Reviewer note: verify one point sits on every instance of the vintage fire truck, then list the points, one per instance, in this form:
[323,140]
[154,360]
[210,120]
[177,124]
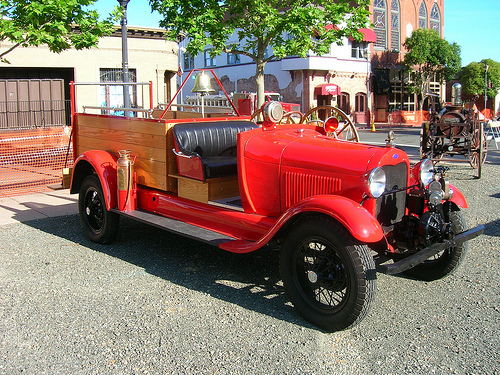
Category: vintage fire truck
[330,204]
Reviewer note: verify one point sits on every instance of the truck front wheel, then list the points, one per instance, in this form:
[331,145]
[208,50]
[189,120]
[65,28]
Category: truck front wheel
[100,225]
[447,261]
[328,276]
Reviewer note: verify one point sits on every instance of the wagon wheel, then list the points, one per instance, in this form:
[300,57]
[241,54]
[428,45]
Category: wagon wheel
[346,129]
[430,145]
[479,149]
[425,141]
[292,117]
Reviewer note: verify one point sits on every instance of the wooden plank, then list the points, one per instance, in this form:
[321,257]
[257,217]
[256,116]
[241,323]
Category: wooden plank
[127,137]
[204,191]
[141,151]
[223,189]
[149,173]
[150,166]
[137,125]
[183,115]
[193,189]
[171,158]
[153,180]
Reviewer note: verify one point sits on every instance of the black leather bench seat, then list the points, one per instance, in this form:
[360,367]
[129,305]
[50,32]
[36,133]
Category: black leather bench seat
[219,166]
[213,144]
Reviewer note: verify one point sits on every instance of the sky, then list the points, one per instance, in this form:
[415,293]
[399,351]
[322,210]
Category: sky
[473,24]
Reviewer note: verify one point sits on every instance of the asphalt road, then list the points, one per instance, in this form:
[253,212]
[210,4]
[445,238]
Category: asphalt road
[155,303]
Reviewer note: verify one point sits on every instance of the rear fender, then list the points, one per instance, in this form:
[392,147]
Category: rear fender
[102,163]
[355,218]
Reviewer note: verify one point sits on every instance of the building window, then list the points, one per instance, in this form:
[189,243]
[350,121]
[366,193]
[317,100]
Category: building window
[422,16]
[112,96]
[209,60]
[233,58]
[380,23]
[436,19]
[395,28]
[188,61]
[344,103]
[360,102]
[358,50]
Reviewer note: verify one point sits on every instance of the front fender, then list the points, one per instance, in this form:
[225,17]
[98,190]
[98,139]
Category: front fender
[103,163]
[355,218]
[458,198]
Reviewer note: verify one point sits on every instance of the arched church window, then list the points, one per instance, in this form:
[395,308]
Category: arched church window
[395,26]
[422,16]
[436,19]
[380,23]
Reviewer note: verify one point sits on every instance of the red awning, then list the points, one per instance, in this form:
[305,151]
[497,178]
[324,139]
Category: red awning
[327,89]
[368,35]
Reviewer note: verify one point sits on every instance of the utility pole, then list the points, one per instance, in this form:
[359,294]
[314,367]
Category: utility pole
[126,96]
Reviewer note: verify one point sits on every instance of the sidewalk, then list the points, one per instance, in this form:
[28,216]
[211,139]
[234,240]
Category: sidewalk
[37,206]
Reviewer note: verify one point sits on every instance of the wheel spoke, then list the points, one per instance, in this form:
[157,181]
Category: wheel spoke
[321,274]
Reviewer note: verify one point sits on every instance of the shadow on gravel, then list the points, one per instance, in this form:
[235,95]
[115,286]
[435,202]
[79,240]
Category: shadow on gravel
[251,281]
[492,228]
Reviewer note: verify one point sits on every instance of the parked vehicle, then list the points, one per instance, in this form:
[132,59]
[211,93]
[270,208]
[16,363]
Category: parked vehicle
[331,204]
[455,130]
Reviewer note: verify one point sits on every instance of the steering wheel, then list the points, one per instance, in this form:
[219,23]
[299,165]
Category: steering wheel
[319,115]
[257,115]
[292,117]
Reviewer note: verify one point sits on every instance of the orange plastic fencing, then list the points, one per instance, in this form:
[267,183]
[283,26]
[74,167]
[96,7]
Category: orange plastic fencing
[31,160]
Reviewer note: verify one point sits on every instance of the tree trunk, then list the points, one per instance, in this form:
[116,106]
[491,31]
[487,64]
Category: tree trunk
[259,80]
[259,73]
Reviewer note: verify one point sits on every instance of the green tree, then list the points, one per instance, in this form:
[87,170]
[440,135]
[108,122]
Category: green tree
[430,58]
[472,77]
[290,28]
[52,23]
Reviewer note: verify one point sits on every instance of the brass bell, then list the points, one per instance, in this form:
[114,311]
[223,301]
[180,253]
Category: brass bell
[202,84]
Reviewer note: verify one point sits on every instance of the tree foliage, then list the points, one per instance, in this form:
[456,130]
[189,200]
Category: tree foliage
[472,77]
[430,58]
[290,28]
[50,22]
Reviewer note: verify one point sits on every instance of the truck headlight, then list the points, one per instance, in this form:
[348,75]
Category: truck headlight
[426,172]
[376,182]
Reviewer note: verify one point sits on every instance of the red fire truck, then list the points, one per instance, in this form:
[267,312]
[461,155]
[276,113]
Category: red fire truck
[246,102]
[328,202]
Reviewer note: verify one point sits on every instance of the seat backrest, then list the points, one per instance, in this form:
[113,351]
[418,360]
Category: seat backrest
[209,138]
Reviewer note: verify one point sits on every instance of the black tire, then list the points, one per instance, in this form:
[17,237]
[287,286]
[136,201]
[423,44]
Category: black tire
[328,276]
[447,261]
[100,225]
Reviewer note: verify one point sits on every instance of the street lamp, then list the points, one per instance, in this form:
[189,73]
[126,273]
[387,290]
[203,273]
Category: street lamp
[368,70]
[126,97]
[486,67]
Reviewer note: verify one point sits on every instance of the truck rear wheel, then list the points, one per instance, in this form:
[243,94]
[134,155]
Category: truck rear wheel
[328,276]
[100,225]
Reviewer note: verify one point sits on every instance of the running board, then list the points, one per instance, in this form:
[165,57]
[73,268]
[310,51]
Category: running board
[178,227]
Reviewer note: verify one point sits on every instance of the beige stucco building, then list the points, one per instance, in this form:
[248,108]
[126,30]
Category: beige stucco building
[151,58]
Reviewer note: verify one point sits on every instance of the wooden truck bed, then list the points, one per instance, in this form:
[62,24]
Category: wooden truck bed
[150,142]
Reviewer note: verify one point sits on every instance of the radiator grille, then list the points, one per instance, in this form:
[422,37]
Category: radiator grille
[391,207]
[301,185]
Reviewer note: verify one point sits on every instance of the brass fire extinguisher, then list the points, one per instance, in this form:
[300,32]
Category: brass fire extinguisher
[127,192]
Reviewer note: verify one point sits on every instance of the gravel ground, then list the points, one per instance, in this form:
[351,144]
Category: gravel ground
[155,303]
